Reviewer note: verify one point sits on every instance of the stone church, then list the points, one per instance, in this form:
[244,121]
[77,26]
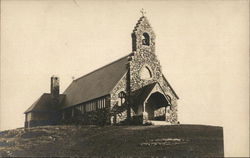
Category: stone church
[131,90]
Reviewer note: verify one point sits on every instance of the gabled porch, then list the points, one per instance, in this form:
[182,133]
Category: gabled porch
[152,103]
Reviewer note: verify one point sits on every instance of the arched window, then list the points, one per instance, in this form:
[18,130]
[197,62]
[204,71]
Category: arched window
[122,98]
[145,39]
[145,73]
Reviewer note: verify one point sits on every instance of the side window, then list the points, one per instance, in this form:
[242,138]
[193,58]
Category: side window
[122,98]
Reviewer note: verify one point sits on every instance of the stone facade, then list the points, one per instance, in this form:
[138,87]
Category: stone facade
[121,86]
[143,56]
[118,113]
[172,118]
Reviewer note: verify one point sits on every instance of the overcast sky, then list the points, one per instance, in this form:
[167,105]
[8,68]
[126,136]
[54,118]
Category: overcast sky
[202,47]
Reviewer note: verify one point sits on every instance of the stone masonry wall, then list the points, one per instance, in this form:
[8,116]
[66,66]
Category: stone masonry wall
[143,56]
[119,113]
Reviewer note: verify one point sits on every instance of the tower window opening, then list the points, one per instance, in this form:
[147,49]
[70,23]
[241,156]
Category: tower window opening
[145,39]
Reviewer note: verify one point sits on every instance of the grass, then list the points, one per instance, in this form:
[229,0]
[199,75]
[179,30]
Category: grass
[177,141]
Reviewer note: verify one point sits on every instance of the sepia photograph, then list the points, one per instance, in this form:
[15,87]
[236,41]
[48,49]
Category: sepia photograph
[124,78]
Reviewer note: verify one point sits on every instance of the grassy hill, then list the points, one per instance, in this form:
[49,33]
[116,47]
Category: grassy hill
[178,140]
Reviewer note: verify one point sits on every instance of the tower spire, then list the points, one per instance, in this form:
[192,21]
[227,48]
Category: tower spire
[143,12]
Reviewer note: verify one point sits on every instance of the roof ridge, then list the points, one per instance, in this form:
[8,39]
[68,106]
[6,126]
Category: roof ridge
[101,67]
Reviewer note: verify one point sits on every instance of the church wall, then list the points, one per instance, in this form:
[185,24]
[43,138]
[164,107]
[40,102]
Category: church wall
[144,56]
[95,111]
[121,86]
[41,116]
[140,60]
[172,117]
[39,119]
[149,59]
[36,116]
[118,110]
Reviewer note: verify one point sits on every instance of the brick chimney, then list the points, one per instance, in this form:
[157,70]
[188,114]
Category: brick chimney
[55,89]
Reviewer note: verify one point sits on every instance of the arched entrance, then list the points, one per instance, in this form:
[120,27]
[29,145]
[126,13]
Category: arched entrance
[156,106]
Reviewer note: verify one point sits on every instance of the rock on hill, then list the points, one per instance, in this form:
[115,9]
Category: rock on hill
[178,140]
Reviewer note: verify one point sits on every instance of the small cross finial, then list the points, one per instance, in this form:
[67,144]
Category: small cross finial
[143,12]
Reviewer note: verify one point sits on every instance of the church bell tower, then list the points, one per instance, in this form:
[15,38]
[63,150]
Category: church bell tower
[143,37]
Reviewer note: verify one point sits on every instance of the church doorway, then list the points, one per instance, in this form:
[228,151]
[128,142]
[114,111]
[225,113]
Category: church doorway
[156,106]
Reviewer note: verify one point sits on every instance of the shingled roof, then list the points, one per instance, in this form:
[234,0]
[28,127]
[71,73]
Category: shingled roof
[95,84]
[43,103]
[139,95]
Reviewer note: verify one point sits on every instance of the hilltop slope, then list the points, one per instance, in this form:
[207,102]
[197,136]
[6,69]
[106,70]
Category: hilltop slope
[179,140]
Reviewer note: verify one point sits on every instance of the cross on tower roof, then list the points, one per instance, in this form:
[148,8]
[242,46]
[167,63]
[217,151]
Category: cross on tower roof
[143,12]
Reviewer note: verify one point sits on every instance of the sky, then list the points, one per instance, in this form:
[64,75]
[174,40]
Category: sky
[202,47]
